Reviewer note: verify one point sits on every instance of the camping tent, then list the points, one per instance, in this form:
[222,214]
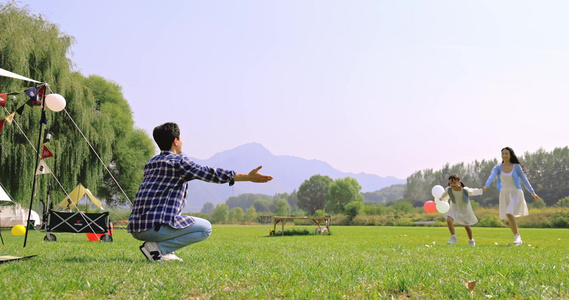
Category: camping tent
[80,193]
[12,213]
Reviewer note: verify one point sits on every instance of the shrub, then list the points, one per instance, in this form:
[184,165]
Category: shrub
[400,206]
[374,209]
[560,219]
[563,202]
[440,223]
[490,221]
[319,213]
[389,220]
[340,219]
[352,209]
[429,217]
[541,204]
[405,221]
[291,232]
[366,220]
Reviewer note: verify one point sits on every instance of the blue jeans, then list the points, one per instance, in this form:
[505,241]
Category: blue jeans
[171,239]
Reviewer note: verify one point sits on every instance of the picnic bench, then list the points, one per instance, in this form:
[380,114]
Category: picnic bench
[317,220]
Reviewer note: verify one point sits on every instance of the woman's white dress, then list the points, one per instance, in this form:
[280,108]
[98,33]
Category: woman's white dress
[460,211]
[512,200]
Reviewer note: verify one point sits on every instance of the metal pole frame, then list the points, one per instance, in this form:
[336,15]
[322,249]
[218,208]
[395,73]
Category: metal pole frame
[36,166]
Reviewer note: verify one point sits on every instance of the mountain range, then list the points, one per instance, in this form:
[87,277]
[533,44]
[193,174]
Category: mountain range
[289,173]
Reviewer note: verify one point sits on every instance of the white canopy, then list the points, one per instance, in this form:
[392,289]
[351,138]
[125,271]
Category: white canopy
[3,195]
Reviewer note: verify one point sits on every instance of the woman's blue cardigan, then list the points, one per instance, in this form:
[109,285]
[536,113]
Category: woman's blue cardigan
[518,174]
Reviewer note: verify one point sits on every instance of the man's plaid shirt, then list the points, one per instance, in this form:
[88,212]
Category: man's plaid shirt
[162,194]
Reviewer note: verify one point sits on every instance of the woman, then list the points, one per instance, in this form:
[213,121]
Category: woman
[512,201]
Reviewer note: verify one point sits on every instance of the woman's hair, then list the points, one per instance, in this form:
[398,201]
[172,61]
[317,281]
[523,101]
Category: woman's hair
[455,177]
[513,158]
[165,134]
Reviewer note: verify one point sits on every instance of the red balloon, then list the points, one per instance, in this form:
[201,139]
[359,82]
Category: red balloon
[430,206]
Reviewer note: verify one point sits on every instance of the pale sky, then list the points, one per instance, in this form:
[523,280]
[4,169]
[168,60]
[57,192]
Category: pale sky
[380,87]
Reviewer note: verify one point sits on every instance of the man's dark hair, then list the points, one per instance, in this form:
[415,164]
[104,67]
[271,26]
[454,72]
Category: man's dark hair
[165,134]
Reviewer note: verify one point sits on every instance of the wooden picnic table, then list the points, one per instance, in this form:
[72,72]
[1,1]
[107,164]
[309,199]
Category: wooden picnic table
[316,220]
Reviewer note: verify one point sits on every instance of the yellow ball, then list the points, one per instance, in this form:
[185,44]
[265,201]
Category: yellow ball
[18,230]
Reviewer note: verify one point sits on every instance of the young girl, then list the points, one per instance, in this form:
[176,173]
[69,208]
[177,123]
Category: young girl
[460,210]
[512,201]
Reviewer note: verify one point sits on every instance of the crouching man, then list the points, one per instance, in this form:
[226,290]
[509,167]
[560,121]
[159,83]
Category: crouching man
[156,216]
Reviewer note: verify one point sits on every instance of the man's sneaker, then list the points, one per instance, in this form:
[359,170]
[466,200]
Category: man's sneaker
[471,243]
[151,251]
[171,256]
[453,240]
[517,240]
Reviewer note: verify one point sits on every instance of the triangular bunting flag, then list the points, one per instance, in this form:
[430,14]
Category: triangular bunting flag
[41,92]
[42,168]
[41,96]
[43,118]
[20,110]
[45,153]
[3,98]
[10,118]
[33,94]
[1,125]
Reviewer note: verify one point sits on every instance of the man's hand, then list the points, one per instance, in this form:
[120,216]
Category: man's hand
[253,176]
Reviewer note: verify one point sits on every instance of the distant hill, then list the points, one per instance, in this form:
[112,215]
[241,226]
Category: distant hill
[289,173]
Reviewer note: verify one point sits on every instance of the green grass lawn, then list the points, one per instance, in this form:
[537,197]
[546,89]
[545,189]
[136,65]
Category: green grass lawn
[244,262]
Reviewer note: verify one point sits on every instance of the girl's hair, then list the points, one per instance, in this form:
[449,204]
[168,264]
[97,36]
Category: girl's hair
[513,158]
[455,177]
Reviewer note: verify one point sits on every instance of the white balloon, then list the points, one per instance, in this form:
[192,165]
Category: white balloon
[55,102]
[442,207]
[438,191]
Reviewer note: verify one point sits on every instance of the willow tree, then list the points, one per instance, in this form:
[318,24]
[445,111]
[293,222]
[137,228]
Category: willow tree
[95,131]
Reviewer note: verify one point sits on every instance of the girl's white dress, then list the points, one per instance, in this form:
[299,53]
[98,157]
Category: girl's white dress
[461,211]
[512,200]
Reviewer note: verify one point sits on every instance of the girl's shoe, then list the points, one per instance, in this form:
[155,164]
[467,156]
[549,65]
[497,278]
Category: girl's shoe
[471,243]
[453,240]
[517,240]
